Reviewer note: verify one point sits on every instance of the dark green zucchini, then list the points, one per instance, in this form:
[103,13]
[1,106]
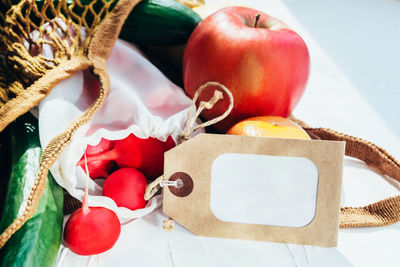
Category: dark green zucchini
[159,22]
[36,243]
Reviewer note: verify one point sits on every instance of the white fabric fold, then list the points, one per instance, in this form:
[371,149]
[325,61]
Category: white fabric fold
[141,101]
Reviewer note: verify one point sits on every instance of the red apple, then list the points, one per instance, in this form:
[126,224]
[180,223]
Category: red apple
[257,57]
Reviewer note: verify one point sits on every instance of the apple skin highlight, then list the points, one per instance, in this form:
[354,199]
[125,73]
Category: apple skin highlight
[265,67]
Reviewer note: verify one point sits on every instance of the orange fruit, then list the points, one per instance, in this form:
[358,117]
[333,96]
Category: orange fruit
[271,126]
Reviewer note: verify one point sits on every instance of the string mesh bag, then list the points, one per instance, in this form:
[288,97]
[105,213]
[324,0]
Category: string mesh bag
[43,43]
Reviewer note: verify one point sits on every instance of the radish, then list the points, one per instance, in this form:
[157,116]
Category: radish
[91,230]
[98,168]
[126,187]
[146,155]
[103,146]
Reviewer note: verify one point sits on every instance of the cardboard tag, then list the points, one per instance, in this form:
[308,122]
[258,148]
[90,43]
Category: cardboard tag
[259,188]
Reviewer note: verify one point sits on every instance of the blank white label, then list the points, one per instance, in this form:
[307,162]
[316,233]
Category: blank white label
[262,189]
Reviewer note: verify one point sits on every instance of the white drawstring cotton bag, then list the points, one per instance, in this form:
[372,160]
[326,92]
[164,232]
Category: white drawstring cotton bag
[142,101]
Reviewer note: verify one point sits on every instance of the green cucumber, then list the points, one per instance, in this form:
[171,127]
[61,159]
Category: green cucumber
[159,22]
[37,242]
[5,166]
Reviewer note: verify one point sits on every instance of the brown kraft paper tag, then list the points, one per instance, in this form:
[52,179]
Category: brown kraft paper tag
[196,163]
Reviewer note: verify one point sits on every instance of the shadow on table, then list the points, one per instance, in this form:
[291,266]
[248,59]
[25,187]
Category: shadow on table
[362,38]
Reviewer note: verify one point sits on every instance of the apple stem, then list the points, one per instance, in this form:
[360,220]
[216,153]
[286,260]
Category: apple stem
[257,19]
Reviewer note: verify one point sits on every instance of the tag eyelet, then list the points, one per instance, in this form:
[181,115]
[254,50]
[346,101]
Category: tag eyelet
[185,183]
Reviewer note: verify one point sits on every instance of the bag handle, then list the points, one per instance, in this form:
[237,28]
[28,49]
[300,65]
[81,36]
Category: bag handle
[381,213]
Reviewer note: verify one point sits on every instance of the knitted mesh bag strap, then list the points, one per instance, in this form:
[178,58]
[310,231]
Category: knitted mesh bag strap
[381,213]
[77,42]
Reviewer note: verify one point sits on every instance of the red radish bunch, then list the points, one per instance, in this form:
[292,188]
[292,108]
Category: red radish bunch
[146,155]
[91,230]
[126,187]
[94,230]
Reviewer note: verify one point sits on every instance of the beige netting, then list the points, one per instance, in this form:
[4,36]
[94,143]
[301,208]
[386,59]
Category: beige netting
[38,36]
[45,42]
